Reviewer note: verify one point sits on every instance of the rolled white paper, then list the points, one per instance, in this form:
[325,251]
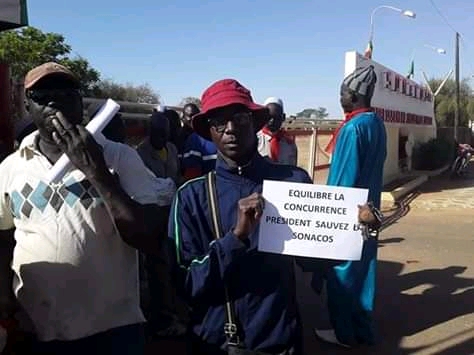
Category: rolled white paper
[95,126]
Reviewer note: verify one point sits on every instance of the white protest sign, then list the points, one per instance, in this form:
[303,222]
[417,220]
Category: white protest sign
[308,220]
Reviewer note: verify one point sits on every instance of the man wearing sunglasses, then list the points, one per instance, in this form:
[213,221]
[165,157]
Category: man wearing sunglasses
[261,286]
[74,263]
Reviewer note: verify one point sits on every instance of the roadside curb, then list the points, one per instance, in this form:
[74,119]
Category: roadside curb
[419,178]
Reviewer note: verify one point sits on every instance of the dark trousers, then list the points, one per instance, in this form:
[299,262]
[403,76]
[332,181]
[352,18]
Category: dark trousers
[196,346]
[162,306]
[127,340]
[160,301]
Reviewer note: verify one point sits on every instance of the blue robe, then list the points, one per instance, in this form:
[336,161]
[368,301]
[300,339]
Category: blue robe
[357,161]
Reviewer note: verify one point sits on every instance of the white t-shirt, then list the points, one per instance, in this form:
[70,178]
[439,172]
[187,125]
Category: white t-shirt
[74,276]
[288,151]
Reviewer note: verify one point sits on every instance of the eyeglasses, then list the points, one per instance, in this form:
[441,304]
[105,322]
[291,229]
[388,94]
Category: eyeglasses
[44,96]
[240,119]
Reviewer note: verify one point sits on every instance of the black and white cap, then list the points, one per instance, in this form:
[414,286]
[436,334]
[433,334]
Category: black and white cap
[362,81]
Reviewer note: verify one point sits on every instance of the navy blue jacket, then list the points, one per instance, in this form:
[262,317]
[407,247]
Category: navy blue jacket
[262,285]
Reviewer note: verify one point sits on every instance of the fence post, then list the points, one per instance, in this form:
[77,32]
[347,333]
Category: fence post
[312,152]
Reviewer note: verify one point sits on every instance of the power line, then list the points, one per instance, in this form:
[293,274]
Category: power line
[461,36]
[442,15]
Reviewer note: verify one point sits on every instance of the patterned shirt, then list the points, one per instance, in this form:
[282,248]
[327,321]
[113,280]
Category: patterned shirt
[73,274]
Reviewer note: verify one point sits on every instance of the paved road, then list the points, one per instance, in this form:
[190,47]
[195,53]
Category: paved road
[426,289]
[425,299]
[445,192]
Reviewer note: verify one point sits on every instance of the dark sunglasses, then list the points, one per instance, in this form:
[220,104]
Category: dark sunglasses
[44,96]
[239,119]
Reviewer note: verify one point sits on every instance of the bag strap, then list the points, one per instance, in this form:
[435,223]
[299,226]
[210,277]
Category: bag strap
[230,326]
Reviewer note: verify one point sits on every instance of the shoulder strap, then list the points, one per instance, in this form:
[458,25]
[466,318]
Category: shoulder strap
[212,200]
[230,326]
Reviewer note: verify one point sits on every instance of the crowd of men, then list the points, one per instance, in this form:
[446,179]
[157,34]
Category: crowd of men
[188,199]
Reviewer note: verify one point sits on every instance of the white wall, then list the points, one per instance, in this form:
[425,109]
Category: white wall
[406,107]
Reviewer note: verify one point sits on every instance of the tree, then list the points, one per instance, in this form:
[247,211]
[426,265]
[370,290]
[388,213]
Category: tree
[318,113]
[445,102]
[190,100]
[89,77]
[29,47]
[126,92]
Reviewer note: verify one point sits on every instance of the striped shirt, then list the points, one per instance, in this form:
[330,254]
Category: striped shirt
[198,154]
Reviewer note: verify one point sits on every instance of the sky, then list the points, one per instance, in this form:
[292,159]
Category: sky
[290,49]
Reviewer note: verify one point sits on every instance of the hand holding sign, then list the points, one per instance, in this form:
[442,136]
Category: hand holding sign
[250,210]
[371,218]
[366,216]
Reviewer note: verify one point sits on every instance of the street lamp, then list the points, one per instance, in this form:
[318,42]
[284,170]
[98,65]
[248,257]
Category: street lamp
[438,50]
[406,13]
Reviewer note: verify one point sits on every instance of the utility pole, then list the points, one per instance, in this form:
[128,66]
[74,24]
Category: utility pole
[458,103]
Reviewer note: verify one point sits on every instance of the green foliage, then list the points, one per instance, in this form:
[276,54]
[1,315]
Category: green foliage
[80,66]
[29,47]
[445,102]
[318,113]
[126,92]
[432,154]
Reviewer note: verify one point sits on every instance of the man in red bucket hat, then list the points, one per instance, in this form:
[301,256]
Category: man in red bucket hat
[228,274]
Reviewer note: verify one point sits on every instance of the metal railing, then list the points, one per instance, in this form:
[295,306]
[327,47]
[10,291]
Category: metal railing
[132,111]
[128,109]
[304,123]
[314,126]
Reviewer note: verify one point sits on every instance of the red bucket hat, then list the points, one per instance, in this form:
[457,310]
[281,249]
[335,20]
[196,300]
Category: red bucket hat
[224,93]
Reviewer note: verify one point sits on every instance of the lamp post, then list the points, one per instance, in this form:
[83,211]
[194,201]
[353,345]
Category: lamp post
[436,49]
[406,13]
[411,71]
[458,95]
